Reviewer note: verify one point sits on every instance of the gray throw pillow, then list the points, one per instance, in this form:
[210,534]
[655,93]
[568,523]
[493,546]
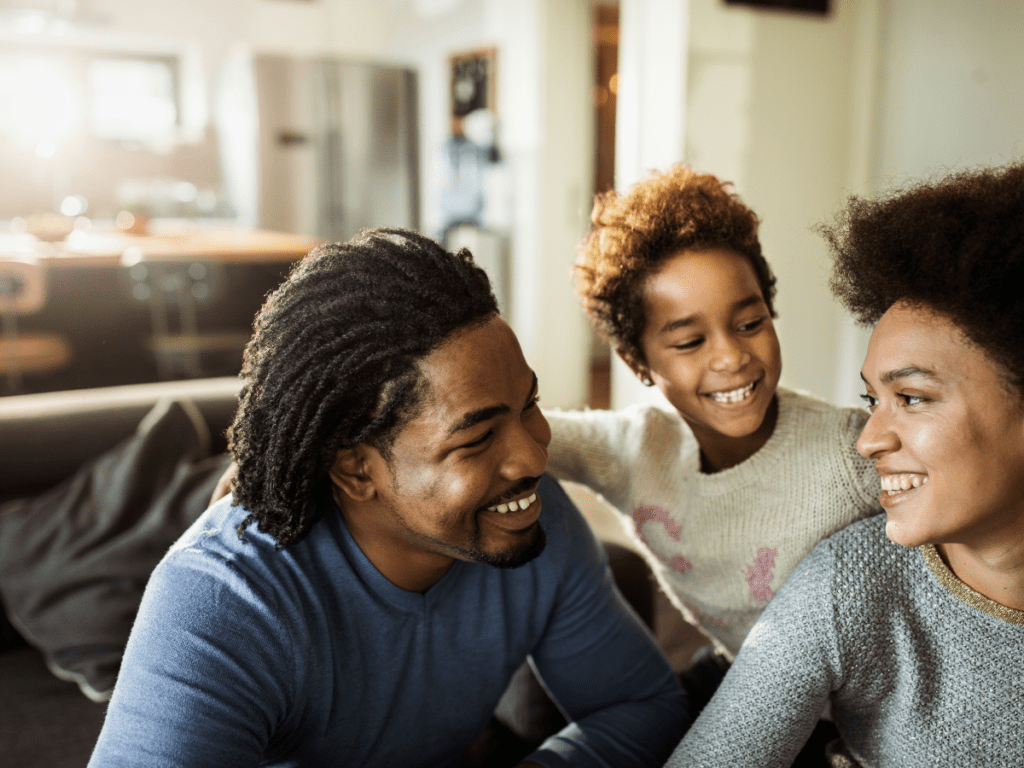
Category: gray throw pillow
[75,560]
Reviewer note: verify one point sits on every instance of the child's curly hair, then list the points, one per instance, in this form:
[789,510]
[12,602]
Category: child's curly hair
[678,210]
[955,246]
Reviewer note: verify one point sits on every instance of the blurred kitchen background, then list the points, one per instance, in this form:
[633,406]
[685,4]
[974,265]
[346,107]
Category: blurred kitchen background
[164,162]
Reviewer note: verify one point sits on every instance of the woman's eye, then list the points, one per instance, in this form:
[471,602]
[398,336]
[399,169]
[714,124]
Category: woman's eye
[481,441]
[532,403]
[753,325]
[911,399]
[870,400]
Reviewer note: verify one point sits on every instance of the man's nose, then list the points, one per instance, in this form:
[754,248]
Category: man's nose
[526,454]
[878,436]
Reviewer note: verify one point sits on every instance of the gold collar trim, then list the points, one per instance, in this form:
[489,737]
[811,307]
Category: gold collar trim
[965,594]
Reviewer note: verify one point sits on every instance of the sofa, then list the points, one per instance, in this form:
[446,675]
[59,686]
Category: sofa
[95,485]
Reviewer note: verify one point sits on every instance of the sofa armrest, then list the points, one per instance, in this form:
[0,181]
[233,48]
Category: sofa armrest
[45,438]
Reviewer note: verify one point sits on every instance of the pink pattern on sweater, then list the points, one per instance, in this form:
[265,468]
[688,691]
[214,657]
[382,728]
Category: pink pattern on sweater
[758,574]
[680,563]
[651,512]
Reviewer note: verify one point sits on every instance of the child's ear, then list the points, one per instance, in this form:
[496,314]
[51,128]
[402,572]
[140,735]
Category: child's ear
[642,371]
[349,473]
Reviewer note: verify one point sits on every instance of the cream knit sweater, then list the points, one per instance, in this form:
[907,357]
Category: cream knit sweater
[721,545]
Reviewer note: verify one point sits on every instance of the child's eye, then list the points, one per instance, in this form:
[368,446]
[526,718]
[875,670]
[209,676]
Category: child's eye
[870,400]
[752,325]
[689,344]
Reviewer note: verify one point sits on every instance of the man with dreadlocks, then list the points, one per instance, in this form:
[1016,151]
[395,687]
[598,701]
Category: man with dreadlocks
[393,554]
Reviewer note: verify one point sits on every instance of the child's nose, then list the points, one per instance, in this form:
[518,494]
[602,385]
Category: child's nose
[727,355]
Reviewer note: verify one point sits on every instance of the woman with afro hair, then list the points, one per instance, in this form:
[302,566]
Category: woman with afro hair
[910,624]
[735,484]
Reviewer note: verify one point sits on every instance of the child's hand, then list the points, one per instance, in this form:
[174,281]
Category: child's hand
[223,487]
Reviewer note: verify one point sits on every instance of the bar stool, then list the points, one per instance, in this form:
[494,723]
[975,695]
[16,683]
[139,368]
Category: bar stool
[23,292]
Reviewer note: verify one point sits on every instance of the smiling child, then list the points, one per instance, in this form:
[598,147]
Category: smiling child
[732,488]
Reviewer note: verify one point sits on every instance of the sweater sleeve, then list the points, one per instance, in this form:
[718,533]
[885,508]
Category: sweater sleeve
[776,689]
[592,448]
[863,479]
[605,670]
[205,675]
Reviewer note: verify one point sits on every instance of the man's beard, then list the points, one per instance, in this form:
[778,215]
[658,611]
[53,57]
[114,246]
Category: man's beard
[533,542]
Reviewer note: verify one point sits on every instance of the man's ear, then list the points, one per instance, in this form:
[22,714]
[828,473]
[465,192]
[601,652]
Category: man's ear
[349,473]
[640,370]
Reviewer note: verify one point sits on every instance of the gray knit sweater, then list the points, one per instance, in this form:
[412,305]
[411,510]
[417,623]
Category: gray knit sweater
[920,669]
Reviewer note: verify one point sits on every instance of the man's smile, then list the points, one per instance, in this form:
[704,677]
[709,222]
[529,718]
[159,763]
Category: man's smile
[514,505]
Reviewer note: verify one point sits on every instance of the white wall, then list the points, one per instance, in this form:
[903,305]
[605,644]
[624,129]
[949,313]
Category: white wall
[769,100]
[546,138]
[953,93]
[950,95]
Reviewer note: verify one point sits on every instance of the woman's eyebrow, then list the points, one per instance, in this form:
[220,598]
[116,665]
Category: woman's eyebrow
[907,371]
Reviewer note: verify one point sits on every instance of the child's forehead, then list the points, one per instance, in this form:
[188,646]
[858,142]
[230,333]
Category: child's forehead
[699,280]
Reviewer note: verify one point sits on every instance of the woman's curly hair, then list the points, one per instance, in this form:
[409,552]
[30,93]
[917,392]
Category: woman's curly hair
[334,363]
[955,246]
[632,234]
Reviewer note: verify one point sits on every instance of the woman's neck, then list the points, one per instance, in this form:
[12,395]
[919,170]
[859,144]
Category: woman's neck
[995,571]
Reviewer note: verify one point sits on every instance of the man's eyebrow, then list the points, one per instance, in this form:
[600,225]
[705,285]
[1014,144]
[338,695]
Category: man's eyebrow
[475,417]
[908,371]
[682,322]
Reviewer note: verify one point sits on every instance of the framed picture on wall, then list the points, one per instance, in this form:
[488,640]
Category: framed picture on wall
[472,84]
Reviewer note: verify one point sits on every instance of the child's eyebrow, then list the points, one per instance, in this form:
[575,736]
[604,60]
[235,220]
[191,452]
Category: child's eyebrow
[682,322]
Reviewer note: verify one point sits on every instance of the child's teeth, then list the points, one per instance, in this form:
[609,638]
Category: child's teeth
[734,396]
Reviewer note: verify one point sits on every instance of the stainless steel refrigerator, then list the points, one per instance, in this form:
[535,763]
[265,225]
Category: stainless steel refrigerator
[335,145]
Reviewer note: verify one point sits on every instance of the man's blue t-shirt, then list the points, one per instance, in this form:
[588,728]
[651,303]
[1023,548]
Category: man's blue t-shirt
[242,655]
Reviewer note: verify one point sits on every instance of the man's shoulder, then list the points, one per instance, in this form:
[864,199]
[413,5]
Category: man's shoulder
[223,545]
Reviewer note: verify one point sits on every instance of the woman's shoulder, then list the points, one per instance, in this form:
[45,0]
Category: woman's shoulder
[868,568]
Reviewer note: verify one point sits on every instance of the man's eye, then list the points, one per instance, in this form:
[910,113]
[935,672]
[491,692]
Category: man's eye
[870,400]
[481,441]
[532,403]
[912,399]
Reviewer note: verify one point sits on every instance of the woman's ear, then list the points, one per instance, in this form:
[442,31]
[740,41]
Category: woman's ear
[642,371]
[349,473]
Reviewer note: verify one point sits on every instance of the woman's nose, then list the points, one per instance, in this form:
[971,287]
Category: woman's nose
[878,437]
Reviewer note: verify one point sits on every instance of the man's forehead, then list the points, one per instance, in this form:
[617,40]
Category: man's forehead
[482,369]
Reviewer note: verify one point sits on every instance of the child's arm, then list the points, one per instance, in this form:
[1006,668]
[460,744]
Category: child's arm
[593,448]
